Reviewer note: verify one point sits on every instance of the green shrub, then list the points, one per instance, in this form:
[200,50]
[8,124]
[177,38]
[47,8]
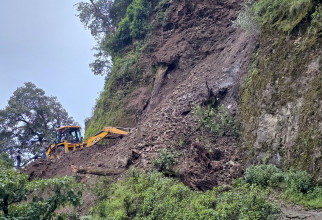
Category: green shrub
[296,186]
[252,203]
[152,196]
[6,161]
[118,10]
[100,189]
[263,175]
[299,181]
[216,120]
[37,199]
[269,175]
[162,13]
[165,160]
[120,38]
[311,199]
[316,24]
[133,26]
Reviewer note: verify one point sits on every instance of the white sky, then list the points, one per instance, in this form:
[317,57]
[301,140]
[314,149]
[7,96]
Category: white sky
[42,41]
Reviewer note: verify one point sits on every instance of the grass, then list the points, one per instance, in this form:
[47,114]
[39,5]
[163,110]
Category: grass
[110,108]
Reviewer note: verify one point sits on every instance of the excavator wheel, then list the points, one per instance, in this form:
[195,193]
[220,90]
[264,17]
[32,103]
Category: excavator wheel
[60,151]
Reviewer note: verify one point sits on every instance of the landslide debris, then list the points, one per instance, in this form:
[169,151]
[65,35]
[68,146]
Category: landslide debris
[198,50]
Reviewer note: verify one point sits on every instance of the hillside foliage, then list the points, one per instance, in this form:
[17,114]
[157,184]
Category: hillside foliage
[133,26]
[296,186]
[130,20]
[152,196]
[37,199]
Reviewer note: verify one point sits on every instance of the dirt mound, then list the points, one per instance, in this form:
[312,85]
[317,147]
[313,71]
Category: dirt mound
[100,157]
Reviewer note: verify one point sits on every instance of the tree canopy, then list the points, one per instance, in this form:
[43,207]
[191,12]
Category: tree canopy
[30,118]
[101,17]
[95,17]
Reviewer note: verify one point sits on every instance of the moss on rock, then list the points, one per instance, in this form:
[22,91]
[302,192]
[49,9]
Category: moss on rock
[281,99]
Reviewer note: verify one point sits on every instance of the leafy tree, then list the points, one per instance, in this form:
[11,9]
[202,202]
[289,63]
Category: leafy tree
[102,18]
[29,118]
[95,16]
[44,196]
[118,11]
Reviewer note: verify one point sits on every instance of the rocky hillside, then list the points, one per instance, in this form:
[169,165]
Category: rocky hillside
[281,102]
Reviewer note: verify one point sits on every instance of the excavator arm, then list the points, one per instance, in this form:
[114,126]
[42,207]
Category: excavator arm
[55,150]
[106,133]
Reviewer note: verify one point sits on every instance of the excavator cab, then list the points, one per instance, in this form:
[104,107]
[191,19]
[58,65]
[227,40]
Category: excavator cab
[68,138]
[70,133]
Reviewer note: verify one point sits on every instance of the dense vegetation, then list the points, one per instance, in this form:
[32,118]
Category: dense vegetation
[126,74]
[37,199]
[296,186]
[152,196]
[133,26]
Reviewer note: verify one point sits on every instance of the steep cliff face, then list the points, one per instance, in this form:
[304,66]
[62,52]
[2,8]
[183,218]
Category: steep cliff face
[281,105]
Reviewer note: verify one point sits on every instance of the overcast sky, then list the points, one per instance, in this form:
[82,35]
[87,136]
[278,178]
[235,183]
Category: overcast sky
[42,41]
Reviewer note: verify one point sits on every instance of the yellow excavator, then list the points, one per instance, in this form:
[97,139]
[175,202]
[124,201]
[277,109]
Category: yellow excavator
[68,138]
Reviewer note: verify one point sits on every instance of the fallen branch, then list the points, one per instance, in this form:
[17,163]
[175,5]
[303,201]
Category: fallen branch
[107,172]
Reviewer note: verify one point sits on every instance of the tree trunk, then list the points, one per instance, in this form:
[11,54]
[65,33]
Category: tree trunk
[5,205]
[109,172]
